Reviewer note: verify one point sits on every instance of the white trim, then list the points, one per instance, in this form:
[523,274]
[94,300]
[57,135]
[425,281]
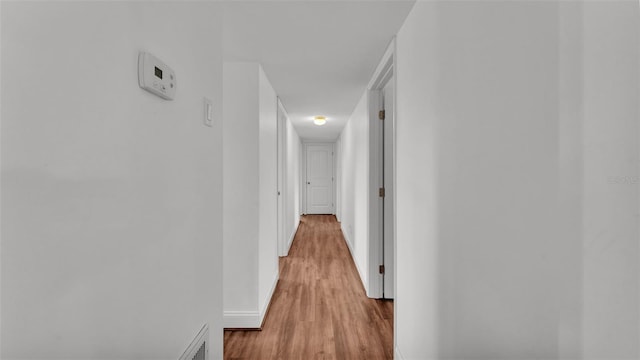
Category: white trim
[360,272]
[302,189]
[291,237]
[375,201]
[282,175]
[398,355]
[249,319]
[268,298]
[241,319]
[395,195]
[383,65]
[384,70]
[303,173]
[303,177]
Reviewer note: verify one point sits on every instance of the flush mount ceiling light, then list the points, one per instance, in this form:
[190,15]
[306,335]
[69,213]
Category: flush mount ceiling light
[319,120]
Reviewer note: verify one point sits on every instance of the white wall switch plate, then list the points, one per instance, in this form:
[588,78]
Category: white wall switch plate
[208,112]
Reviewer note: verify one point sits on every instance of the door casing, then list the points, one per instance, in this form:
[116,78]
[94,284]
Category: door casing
[384,73]
[282,179]
[305,180]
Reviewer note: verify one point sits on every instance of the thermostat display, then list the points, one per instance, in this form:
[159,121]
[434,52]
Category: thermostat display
[155,76]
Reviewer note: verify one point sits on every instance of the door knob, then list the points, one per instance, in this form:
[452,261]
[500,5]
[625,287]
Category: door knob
[308,183]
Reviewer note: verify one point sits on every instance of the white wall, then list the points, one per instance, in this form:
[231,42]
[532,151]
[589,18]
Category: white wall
[570,179]
[241,187]
[250,197]
[610,183]
[417,305]
[354,183]
[498,138]
[111,196]
[292,191]
[517,167]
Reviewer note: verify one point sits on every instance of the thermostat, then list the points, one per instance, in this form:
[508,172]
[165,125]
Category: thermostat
[155,76]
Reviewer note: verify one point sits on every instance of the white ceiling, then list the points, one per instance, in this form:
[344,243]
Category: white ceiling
[318,55]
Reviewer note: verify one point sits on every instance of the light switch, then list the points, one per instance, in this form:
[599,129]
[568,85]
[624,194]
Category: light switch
[208,112]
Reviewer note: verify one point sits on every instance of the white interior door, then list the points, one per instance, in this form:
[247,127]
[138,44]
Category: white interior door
[388,201]
[319,179]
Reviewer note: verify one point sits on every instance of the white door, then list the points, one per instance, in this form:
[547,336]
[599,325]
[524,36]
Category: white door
[388,210]
[319,178]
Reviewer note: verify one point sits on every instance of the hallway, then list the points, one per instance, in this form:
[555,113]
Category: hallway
[319,309]
[155,169]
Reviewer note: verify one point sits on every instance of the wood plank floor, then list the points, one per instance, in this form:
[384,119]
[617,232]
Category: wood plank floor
[319,309]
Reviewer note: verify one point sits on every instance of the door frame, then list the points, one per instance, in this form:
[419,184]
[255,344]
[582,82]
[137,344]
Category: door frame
[384,71]
[282,178]
[303,173]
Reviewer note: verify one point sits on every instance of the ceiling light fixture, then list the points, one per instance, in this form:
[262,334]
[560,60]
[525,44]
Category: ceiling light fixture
[319,120]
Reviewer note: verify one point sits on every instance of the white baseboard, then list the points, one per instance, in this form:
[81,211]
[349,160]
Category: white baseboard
[291,237]
[398,355]
[267,300]
[241,320]
[249,319]
[348,241]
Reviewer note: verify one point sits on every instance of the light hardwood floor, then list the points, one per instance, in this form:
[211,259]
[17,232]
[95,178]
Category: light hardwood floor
[319,309]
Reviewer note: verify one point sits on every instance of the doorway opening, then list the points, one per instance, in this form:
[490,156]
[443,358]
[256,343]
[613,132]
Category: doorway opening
[382,179]
[386,177]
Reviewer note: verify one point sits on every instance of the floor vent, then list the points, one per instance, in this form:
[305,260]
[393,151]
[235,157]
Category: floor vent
[199,348]
[202,352]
